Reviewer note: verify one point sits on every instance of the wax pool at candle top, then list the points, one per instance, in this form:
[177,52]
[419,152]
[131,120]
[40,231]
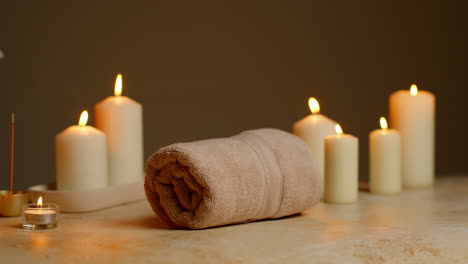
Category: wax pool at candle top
[82,130]
[120,99]
[39,211]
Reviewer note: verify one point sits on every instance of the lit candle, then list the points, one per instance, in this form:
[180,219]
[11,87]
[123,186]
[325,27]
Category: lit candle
[385,160]
[313,129]
[81,159]
[40,216]
[341,168]
[412,113]
[121,119]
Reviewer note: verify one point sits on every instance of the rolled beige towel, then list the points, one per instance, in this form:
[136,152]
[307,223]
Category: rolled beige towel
[258,174]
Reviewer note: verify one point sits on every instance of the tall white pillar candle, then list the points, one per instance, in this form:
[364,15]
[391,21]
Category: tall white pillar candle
[121,119]
[313,129]
[81,158]
[385,160]
[341,168]
[413,114]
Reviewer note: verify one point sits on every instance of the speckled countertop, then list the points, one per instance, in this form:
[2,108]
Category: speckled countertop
[417,226]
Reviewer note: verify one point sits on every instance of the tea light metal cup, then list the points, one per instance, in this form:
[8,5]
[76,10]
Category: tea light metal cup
[36,216]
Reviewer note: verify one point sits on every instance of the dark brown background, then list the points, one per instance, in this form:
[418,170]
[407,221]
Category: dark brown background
[212,69]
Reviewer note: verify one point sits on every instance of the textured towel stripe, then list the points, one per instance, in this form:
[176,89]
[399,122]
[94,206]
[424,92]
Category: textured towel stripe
[273,190]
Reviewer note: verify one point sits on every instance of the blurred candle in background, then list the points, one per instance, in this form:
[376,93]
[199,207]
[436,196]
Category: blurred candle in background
[341,168]
[385,160]
[81,158]
[121,119]
[412,113]
[313,129]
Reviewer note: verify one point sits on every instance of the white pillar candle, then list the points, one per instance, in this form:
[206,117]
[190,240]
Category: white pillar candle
[81,159]
[121,119]
[313,129]
[413,114]
[341,168]
[385,160]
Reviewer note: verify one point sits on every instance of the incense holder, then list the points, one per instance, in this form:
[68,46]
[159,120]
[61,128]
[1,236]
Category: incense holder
[11,204]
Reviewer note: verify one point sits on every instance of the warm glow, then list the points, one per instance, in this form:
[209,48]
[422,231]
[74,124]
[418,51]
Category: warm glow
[83,118]
[40,242]
[383,123]
[314,105]
[39,201]
[414,90]
[338,129]
[118,85]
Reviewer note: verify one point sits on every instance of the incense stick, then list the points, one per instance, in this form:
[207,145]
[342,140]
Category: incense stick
[12,150]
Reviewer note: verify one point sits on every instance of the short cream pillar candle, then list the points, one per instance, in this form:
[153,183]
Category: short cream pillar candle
[313,129]
[341,168]
[81,158]
[412,113]
[121,119]
[384,160]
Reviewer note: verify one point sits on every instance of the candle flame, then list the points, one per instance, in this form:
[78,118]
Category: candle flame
[414,90]
[383,123]
[314,105]
[39,201]
[338,129]
[118,85]
[83,118]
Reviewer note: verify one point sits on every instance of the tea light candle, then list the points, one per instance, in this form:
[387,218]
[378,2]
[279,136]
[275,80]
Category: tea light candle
[385,160]
[81,158]
[40,216]
[412,113]
[121,119]
[313,129]
[341,168]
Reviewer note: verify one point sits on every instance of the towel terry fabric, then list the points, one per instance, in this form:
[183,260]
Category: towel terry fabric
[258,174]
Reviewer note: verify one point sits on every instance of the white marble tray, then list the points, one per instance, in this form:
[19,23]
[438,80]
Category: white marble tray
[91,200]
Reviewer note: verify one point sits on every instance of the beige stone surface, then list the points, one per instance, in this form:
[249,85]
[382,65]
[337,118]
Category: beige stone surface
[417,226]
